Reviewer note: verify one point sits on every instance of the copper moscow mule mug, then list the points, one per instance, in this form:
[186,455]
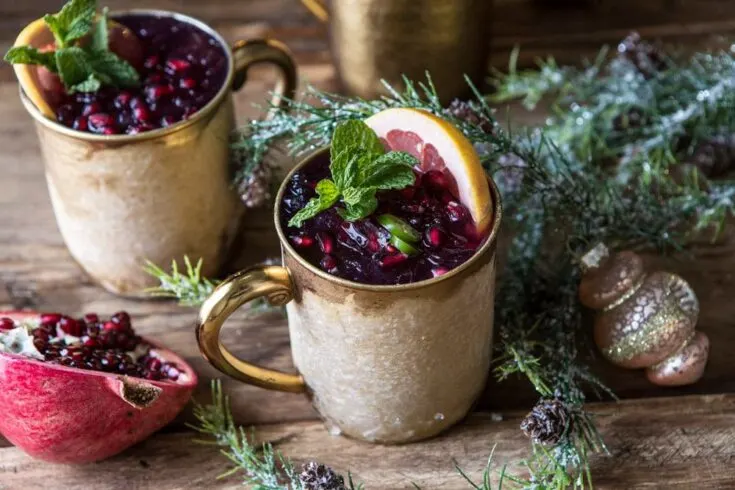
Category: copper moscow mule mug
[386,39]
[386,364]
[121,200]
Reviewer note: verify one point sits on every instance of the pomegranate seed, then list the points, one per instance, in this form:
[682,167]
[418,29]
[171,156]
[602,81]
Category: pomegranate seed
[435,236]
[390,249]
[408,193]
[439,271]
[326,243]
[50,318]
[91,342]
[141,112]
[175,65]
[456,212]
[100,121]
[168,120]
[155,92]
[302,241]
[187,83]
[154,364]
[392,260]
[151,61]
[91,108]
[173,373]
[114,327]
[121,318]
[153,78]
[70,326]
[109,131]
[329,263]
[373,245]
[123,99]
[6,323]
[137,102]
[40,344]
[91,318]
[80,123]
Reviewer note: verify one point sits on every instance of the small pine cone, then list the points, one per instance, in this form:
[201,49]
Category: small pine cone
[317,476]
[472,113]
[547,422]
[255,190]
[715,156]
[647,58]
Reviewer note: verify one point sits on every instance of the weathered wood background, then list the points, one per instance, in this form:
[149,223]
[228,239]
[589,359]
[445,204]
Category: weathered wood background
[659,438]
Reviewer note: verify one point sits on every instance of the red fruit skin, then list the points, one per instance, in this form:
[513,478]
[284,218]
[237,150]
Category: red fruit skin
[124,43]
[66,415]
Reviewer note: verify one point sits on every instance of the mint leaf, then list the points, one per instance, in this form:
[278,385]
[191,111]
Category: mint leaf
[73,65]
[355,134]
[113,70]
[355,195]
[56,29]
[328,195]
[354,212]
[91,84]
[76,18]
[393,170]
[100,39]
[327,191]
[27,55]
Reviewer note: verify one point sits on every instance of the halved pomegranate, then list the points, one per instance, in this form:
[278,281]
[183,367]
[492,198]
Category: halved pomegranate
[66,414]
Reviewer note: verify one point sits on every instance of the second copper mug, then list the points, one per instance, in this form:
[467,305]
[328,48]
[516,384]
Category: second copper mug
[386,364]
[386,39]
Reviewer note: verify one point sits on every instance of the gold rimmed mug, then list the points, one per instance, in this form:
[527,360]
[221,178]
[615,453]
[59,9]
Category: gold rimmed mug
[387,364]
[160,195]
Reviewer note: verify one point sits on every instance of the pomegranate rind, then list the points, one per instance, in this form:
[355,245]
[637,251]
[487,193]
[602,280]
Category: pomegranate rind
[66,415]
[460,158]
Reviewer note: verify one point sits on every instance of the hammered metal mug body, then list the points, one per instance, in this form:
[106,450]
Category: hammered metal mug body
[122,200]
[387,39]
[388,364]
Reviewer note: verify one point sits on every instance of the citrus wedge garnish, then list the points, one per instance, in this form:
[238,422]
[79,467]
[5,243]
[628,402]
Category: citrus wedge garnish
[440,146]
[35,34]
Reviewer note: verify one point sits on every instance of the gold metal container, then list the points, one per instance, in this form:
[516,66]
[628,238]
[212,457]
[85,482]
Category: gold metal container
[121,200]
[385,39]
[387,364]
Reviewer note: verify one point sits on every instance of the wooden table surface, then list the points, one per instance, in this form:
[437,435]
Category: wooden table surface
[658,438]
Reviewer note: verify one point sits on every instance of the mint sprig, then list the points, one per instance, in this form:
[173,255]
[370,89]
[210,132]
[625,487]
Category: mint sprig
[82,66]
[360,167]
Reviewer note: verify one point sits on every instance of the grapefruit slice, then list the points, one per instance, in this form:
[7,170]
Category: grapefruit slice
[438,146]
[35,34]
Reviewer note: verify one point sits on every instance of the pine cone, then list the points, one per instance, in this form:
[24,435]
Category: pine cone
[317,476]
[255,190]
[647,58]
[634,118]
[547,422]
[472,113]
[715,156]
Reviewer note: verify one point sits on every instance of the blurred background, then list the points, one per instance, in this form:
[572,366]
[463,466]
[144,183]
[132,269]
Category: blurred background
[566,29]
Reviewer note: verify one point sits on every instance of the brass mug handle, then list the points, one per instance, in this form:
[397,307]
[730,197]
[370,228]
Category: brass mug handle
[273,282]
[318,8]
[254,51]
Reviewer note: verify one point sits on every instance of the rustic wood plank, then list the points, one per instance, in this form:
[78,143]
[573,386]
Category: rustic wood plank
[671,443]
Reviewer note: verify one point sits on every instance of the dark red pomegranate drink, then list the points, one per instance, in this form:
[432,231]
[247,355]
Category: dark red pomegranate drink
[181,69]
[416,233]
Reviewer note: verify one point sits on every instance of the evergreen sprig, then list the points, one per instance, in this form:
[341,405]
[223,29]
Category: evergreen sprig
[191,289]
